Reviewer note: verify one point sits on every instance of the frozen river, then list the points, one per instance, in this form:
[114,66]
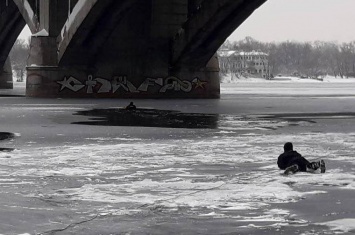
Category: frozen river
[206,167]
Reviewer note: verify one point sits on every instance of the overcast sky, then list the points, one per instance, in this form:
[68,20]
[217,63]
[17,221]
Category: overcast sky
[300,20]
[296,20]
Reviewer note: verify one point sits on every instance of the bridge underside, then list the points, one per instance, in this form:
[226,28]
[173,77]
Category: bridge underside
[133,49]
[11,25]
[6,81]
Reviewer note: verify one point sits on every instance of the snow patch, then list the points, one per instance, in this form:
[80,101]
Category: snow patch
[343,225]
[230,78]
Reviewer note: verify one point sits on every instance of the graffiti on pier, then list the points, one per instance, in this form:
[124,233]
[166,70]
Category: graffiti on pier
[121,83]
[71,84]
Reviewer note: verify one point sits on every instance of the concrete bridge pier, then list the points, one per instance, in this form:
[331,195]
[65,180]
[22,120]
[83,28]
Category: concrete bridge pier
[46,79]
[6,81]
[205,82]
[127,60]
[42,67]
[42,63]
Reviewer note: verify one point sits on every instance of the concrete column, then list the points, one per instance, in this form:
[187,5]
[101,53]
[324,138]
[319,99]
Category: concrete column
[206,82]
[42,67]
[42,64]
[6,81]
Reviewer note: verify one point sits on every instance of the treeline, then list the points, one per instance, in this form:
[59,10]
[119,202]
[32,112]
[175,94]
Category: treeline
[312,59]
[18,58]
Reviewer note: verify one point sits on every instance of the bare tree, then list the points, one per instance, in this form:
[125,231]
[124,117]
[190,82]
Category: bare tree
[18,57]
[312,59]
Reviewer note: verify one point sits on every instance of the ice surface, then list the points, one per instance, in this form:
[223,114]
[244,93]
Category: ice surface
[216,176]
[285,79]
[341,225]
[227,173]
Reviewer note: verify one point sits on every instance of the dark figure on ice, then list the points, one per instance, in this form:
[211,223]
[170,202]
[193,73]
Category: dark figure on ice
[292,162]
[131,106]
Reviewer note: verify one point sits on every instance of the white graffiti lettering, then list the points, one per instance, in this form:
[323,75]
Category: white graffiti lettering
[198,83]
[150,82]
[90,84]
[105,85]
[124,83]
[173,83]
[71,84]
[101,85]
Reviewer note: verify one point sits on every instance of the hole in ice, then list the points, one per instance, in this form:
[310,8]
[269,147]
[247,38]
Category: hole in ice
[6,149]
[149,118]
[6,135]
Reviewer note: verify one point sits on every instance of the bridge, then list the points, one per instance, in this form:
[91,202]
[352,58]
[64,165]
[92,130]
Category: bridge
[121,48]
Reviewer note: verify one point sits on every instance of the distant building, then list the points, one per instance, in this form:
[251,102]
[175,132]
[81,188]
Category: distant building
[254,63]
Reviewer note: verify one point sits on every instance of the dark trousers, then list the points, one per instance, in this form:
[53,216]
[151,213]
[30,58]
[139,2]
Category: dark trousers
[303,164]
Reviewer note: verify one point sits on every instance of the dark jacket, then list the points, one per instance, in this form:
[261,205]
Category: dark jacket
[131,107]
[289,158]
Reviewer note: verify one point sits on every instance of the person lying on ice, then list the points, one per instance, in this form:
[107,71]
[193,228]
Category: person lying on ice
[292,162]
